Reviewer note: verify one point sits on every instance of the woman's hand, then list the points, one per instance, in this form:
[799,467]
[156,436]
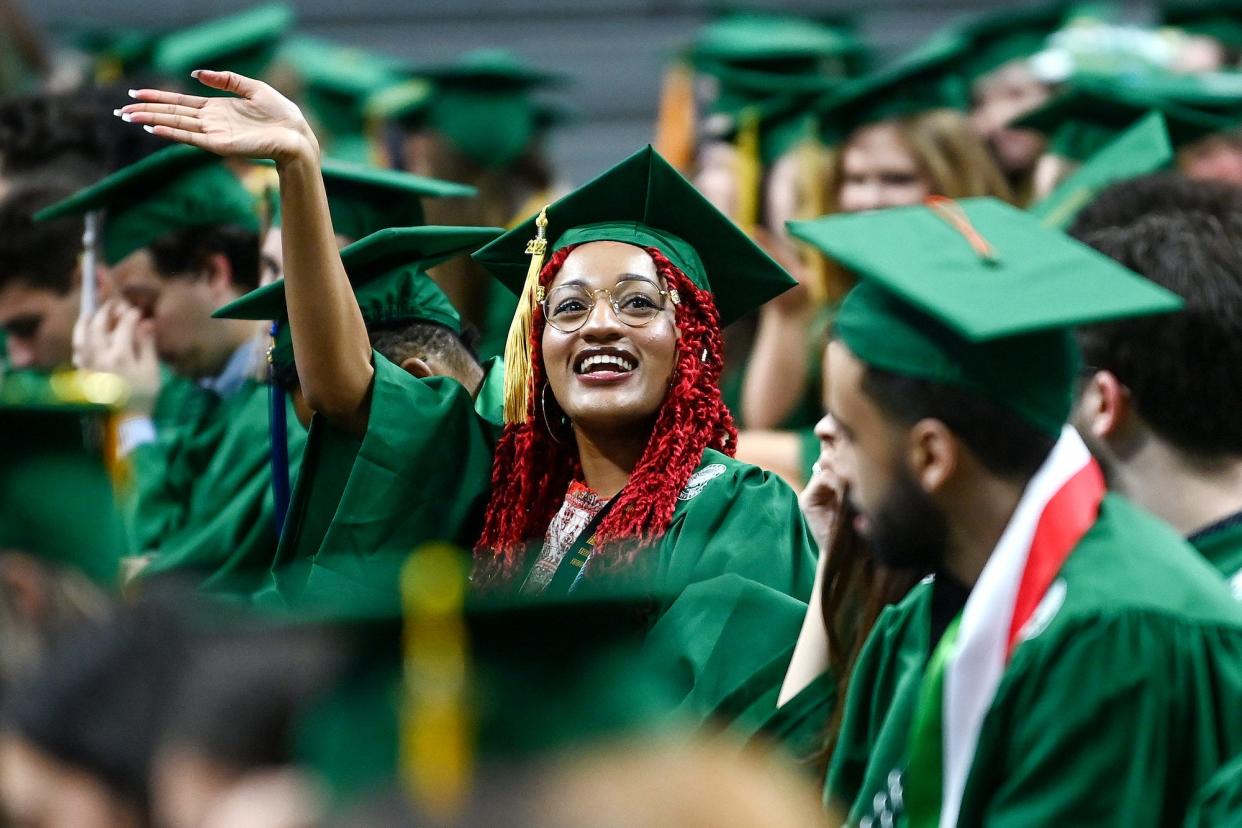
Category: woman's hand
[822,499]
[258,123]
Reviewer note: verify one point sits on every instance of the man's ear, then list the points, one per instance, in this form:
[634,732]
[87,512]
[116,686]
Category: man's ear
[1104,406]
[417,367]
[219,272]
[933,453]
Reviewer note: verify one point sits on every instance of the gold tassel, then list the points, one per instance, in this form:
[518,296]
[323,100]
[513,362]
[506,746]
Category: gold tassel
[812,173]
[517,347]
[674,133]
[436,747]
[749,170]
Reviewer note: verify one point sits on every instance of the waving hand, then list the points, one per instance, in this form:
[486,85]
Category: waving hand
[258,123]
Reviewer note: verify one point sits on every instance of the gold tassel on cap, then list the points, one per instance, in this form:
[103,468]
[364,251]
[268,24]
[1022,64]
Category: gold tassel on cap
[517,346]
[749,171]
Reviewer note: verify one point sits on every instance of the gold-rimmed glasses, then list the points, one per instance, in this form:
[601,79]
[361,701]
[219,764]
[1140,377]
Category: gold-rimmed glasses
[633,301]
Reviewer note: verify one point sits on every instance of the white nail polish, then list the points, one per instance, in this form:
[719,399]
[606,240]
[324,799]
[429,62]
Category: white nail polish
[126,118]
[148,128]
[132,93]
[116,112]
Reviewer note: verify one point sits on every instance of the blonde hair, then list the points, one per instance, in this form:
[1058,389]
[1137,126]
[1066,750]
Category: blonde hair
[945,149]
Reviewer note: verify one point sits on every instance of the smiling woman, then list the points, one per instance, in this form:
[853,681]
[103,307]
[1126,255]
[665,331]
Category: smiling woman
[614,471]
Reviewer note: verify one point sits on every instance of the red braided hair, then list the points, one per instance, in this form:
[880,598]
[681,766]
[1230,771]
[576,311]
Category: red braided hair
[533,468]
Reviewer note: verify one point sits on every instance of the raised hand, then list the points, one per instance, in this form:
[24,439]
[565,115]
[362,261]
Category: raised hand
[258,123]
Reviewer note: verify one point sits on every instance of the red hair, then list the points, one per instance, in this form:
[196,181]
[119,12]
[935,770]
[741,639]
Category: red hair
[533,468]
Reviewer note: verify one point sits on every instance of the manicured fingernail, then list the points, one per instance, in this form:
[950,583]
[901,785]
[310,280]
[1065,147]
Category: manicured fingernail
[126,117]
[133,93]
[116,112]
[194,74]
[148,128]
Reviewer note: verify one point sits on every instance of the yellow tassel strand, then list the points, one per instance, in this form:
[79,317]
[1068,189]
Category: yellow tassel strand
[436,721]
[749,171]
[517,346]
[674,133]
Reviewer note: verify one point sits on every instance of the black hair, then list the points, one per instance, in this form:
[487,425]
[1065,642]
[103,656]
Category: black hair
[40,254]
[1005,443]
[187,250]
[1181,368]
[399,341]
[1130,200]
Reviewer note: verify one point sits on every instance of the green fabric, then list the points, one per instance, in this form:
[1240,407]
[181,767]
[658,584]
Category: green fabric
[1221,19]
[173,189]
[482,103]
[929,305]
[1116,712]
[771,40]
[995,38]
[1223,550]
[924,79]
[421,473]
[364,200]
[388,273]
[56,500]
[1091,112]
[203,503]
[1219,93]
[1220,801]
[643,200]
[1143,148]
[927,746]
[244,43]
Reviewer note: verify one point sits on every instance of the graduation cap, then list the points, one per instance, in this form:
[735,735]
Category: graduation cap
[482,102]
[173,189]
[56,498]
[364,200]
[927,78]
[388,272]
[978,295]
[244,42]
[1219,93]
[1219,19]
[334,83]
[642,201]
[995,38]
[473,680]
[774,44]
[1141,149]
[1093,111]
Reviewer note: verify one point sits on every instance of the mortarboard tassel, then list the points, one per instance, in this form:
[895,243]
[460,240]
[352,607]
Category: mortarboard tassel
[674,133]
[749,171]
[517,346]
[280,449]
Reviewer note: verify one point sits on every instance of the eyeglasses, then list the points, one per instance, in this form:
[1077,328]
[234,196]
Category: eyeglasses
[633,301]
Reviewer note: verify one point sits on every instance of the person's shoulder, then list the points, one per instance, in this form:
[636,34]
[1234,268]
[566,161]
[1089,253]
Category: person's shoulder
[719,475]
[1131,563]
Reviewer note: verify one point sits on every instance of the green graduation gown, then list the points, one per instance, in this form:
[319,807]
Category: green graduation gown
[1116,711]
[1222,548]
[203,502]
[421,473]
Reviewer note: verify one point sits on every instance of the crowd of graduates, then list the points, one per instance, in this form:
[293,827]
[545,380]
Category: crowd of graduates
[866,450]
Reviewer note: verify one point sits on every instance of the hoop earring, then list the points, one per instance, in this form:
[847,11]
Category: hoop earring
[543,407]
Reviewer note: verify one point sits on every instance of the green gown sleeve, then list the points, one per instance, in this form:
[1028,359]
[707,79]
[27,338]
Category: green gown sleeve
[740,561]
[421,473]
[1220,802]
[227,531]
[1119,720]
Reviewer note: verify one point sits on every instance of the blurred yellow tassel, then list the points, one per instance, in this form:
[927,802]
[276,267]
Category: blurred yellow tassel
[674,133]
[436,738]
[812,172]
[517,346]
[749,171]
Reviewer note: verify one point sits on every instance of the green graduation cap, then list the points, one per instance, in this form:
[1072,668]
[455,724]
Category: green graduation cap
[173,189]
[1141,149]
[244,43]
[388,271]
[642,201]
[1218,93]
[774,44]
[1221,19]
[117,51]
[364,200]
[56,498]
[978,295]
[478,684]
[483,103]
[1091,112]
[334,83]
[927,78]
